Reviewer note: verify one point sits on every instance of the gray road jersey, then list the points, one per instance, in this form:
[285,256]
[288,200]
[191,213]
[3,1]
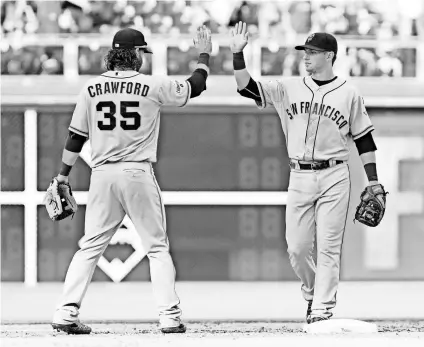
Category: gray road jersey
[120,113]
[317,120]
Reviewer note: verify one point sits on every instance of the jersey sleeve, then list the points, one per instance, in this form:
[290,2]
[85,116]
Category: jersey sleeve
[79,122]
[271,93]
[360,122]
[174,93]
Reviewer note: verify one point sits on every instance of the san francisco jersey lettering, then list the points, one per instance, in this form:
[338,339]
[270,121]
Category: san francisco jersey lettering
[317,120]
[120,113]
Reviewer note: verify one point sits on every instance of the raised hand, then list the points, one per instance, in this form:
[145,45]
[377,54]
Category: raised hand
[239,37]
[203,40]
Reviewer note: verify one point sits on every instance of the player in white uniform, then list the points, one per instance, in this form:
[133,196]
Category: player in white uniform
[318,113]
[119,113]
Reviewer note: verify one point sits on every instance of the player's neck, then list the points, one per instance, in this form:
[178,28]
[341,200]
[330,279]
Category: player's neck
[324,75]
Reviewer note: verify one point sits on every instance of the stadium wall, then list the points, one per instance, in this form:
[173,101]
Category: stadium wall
[379,265]
[219,226]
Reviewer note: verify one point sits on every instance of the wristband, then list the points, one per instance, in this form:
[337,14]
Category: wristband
[238,61]
[65,169]
[203,59]
[371,171]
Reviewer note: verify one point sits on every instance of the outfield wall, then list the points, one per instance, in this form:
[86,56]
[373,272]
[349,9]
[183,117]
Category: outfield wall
[224,174]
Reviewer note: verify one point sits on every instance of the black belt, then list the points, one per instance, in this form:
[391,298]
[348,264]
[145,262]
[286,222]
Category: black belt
[316,165]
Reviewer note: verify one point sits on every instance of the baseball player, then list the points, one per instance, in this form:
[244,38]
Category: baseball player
[119,113]
[318,113]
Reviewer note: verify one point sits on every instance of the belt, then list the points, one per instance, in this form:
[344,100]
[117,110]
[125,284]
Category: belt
[315,165]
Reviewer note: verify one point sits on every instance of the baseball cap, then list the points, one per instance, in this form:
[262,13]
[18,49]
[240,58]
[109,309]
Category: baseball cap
[320,42]
[130,38]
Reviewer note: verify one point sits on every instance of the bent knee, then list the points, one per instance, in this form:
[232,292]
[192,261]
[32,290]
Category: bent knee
[300,250]
[157,248]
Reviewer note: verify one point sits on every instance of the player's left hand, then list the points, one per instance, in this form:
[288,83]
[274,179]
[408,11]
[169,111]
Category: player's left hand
[372,206]
[59,201]
[62,179]
[239,37]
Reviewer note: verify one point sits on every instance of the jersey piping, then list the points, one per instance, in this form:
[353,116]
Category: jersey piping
[77,131]
[363,132]
[319,118]
[263,98]
[119,78]
[347,212]
[309,117]
[188,94]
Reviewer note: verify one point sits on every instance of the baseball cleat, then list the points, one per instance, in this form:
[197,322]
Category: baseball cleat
[318,319]
[309,312]
[174,330]
[72,329]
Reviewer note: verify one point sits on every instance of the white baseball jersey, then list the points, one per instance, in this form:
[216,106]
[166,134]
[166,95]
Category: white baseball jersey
[317,120]
[120,113]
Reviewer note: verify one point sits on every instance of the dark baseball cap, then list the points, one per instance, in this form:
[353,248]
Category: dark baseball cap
[320,42]
[130,38]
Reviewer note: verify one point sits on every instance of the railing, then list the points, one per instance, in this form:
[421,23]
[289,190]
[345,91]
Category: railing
[406,91]
[256,52]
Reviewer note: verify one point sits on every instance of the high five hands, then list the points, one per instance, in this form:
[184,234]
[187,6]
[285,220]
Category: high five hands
[203,40]
[239,37]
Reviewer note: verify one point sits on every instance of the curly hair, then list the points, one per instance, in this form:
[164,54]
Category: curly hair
[122,58]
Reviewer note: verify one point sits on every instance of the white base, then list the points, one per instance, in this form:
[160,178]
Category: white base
[340,326]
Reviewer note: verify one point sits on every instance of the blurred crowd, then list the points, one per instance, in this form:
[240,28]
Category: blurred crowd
[279,19]
[380,18]
[369,62]
[32,60]
[91,61]
[355,62]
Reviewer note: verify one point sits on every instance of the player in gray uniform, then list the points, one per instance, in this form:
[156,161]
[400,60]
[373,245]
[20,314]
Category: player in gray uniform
[318,113]
[119,113]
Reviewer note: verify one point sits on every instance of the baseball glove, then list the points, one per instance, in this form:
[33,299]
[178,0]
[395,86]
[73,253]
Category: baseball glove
[373,205]
[59,200]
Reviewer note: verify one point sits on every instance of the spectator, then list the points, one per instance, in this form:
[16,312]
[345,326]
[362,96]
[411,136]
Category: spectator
[389,65]
[366,17]
[247,12]
[48,13]
[33,60]
[19,16]
[282,20]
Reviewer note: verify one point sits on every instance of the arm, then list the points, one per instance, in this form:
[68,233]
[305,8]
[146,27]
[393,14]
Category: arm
[372,206]
[240,72]
[178,93]
[246,85]
[73,146]
[78,134]
[366,149]
[361,128]
[203,43]
[239,39]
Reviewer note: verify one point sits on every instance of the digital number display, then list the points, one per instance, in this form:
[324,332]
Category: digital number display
[12,243]
[222,152]
[200,148]
[231,151]
[52,131]
[228,243]
[13,157]
[208,151]
[207,243]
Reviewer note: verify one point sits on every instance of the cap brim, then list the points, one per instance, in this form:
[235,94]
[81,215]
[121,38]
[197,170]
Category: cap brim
[303,47]
[145,48]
